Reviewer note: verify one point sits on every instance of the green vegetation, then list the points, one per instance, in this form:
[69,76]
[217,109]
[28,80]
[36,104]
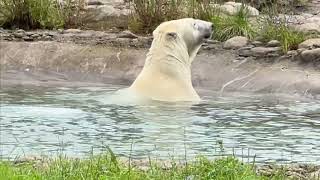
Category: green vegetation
[31,14]
[288,38]
[107,166]
[227,27]
[276,27]
[150,13]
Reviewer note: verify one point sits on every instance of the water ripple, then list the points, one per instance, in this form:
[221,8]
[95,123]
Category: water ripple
[73,120]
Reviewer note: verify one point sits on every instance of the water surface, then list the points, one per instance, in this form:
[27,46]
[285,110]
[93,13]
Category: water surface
[74,121]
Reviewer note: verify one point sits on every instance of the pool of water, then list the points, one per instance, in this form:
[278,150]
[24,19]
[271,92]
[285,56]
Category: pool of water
[75,121]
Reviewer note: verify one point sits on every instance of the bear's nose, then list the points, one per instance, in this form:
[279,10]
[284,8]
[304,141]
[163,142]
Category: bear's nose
[211,26]
[207,35]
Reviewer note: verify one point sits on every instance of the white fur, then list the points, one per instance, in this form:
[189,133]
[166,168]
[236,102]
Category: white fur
[166,75]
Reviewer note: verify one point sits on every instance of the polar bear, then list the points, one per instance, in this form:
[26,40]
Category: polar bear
[166,75]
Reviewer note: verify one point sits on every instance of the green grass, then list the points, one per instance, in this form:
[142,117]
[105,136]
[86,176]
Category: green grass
[107,166]
[274,28]
[289,38]
[227,27]
[148,14]
[32,14]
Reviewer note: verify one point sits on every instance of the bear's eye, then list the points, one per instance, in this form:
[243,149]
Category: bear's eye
[195,25]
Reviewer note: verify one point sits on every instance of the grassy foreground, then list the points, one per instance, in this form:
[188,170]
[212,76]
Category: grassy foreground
[107,166]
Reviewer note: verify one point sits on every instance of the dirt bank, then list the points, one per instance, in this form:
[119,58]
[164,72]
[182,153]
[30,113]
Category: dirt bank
[50,63]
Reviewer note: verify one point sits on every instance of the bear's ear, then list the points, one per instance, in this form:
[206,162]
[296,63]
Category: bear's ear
[172,35]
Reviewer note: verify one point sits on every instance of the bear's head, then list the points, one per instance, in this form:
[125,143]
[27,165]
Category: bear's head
[188,32]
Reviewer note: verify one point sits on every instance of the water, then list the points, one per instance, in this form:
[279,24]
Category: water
[74,121]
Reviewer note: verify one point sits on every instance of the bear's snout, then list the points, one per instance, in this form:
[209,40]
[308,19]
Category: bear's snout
[208,31]
[207,36]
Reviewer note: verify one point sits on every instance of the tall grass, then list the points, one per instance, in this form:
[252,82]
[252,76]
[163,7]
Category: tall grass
[229,26]
[148,14]
[289,38]
[273,27]
[30,14]
[107,166]
[202,9]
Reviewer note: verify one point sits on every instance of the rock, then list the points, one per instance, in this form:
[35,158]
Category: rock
[292,53]
[35,35]
[210,46]
[29,33]
[232,8]
[73,31]
[240,58]
[108,2]
[47,38]
[308,27]
[311,55]
[123,42]
[101,12]
[94,2]
[127,34]
[306,15]
[20,31]
[146,41]
[27,38]
[257,43]
[315,175]
[228,9]
[60,31]
[105,17]
[295,175]
[313,19]
[51,34]
[135,43]
[236,42]
[211,41]
[18,35]
[191,177]
[28,159]
[265,51]
[273,43]
[245,51]
[304,22]
[310,43]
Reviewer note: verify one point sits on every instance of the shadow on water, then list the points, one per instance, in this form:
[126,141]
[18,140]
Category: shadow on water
[44,120]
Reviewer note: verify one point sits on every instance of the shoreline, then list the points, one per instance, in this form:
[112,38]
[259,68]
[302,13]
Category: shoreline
[267,170]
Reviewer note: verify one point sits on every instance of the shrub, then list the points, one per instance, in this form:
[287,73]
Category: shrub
[274,28]
[288,38]
[201,9]
[230,26]
[148,14]
[283,6]
[28,14]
